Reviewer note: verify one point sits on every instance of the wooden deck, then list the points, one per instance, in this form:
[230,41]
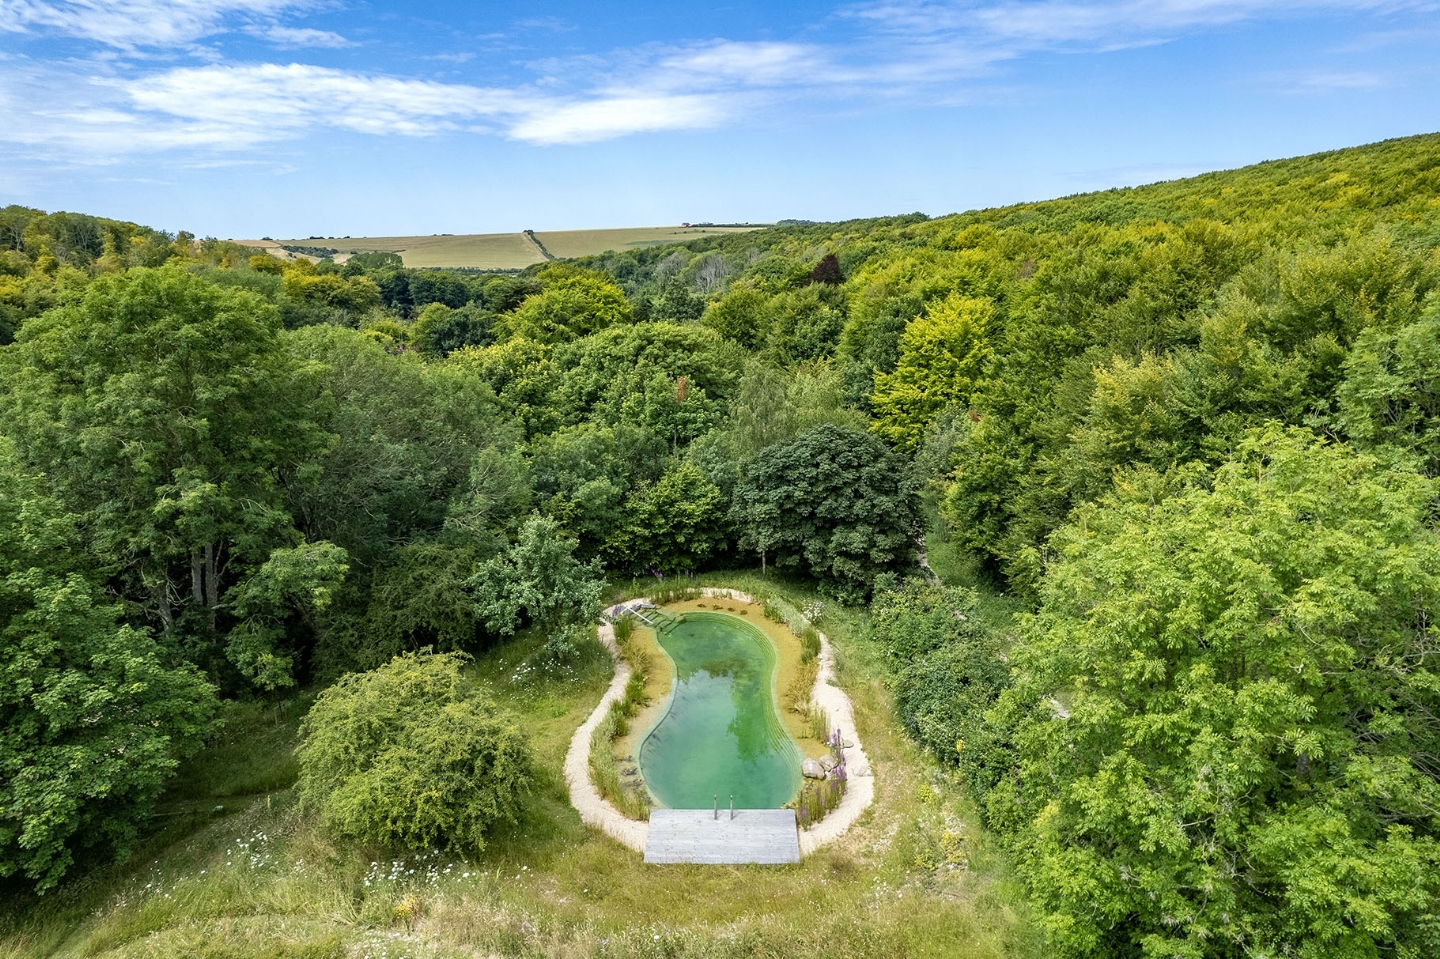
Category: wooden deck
[766,836]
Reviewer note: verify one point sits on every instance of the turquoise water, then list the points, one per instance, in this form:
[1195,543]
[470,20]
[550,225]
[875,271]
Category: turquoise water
[722,733]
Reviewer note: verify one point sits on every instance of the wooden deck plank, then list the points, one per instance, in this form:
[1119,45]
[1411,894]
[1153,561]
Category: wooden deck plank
[766,836]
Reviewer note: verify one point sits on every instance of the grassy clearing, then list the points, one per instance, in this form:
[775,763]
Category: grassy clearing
[956,566]
[260,879]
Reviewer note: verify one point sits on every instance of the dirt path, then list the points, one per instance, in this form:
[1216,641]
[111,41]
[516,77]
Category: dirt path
[593,808]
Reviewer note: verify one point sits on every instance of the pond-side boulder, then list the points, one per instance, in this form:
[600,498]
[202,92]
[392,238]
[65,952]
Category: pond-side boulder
[812,769]
[828,763]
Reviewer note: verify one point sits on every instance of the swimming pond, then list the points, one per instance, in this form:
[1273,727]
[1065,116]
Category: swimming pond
[721,733]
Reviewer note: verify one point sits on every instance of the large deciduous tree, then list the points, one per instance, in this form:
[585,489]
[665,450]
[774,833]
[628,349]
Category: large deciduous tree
[674,380]
[574,303]
[942,355]
[833,501]
[92,721]
[166,412]
[675,525]
[1390,398]
[540,578]
[1227,725]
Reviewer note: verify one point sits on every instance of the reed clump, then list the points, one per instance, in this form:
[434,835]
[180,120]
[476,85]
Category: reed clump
[631,801]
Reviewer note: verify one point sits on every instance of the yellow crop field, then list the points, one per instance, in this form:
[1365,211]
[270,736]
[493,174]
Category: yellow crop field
[567,243]
[499,251]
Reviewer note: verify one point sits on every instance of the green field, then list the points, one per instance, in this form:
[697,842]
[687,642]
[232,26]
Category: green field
[502,251]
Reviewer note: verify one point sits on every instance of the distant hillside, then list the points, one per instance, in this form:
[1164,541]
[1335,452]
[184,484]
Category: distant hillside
[495,251]
[1394,182]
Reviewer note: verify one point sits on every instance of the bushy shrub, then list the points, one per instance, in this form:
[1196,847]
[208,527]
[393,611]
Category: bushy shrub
[947,670]
[413,754]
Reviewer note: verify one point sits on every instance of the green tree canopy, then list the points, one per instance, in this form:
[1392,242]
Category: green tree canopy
[573,303]
[92,720]
[522,374]
[439,331]
[304,283]
[742,315]
[1390,398]
[675,525]
[1225,729]
[833,501]
[167,413]
[942,356]
[540,578]
[403,437]
[632,374]
[584,474]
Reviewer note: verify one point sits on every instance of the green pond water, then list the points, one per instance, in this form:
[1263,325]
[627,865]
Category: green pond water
[722,733]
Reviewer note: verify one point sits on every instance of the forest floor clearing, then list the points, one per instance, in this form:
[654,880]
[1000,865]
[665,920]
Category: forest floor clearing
[916,876]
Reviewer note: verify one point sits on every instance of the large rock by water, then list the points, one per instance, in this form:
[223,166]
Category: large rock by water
[812,769]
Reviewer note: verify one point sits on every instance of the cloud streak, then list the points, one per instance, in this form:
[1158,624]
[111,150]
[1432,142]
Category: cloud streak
[132,24]
[232,107]
[302,37]
[908,49]
[1055,23]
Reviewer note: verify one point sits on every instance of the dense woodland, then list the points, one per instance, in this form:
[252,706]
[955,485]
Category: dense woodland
[1191,431]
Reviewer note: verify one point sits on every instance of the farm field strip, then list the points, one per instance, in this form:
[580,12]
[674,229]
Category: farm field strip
[499,251]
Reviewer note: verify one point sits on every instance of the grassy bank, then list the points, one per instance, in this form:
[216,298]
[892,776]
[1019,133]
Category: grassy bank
[259,878]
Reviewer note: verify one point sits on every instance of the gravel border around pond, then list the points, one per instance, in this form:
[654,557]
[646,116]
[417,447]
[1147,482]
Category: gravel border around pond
[595,811]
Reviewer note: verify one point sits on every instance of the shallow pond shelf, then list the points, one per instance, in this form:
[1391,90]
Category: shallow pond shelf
[721,733]
[764,836]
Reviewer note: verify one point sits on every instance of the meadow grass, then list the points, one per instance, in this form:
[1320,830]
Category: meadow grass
[915,877]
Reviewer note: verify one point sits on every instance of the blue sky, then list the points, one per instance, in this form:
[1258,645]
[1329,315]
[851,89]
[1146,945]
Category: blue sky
[330,117]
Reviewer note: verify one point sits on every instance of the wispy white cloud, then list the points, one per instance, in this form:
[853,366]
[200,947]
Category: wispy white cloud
[247,103]
[130,24]
[1322,81]
[1048,23]
[301,37]
[905,50]
[1379,39]
[603,118]
[748,64]
[1340,80]
[552,24]
[231,107]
